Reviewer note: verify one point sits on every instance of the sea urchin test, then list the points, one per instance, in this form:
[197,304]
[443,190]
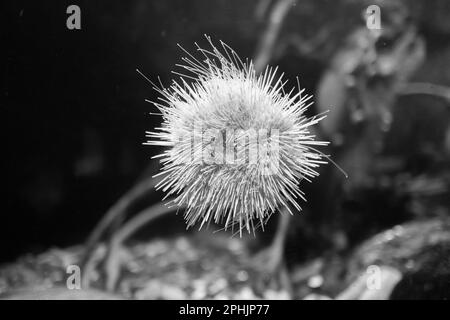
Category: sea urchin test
[237,144]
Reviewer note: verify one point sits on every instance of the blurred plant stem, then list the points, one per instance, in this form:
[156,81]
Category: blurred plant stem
[113,217]
[269,37]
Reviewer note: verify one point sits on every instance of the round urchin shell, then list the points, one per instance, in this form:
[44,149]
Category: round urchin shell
[238,144]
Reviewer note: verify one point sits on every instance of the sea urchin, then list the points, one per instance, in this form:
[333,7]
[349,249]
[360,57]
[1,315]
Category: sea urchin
[238,144]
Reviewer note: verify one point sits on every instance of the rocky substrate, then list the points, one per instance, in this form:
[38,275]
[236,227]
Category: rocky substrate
[409,261]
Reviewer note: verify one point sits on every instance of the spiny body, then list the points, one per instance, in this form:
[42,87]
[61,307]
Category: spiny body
[214,111]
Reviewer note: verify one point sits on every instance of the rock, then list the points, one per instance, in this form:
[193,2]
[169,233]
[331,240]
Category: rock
[419,250]
[315,296]
[376,284]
